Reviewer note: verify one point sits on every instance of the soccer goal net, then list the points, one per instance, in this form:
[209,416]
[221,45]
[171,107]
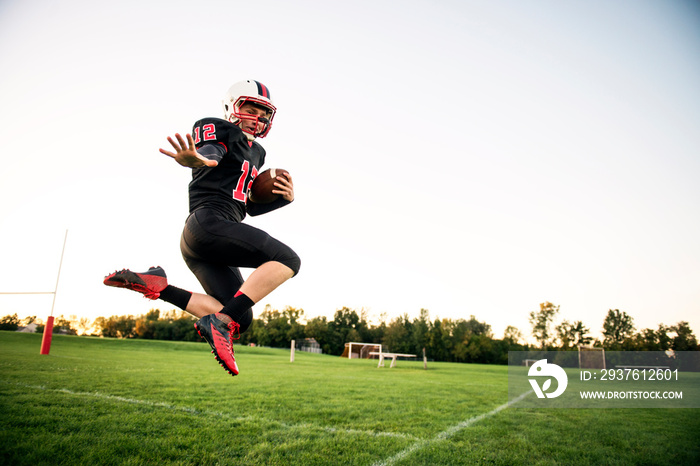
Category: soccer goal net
[591,358]
[356,350]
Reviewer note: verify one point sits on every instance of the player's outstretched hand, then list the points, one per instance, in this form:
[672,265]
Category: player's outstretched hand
[186,154]
[285,187]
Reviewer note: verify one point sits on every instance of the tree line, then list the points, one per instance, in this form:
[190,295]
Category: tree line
[619,333]
[450,340]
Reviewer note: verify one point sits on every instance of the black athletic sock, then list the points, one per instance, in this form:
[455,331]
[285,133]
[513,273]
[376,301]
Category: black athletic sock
[176,296]
[237,307]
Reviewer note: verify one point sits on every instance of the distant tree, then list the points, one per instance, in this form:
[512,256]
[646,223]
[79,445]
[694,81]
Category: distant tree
[296,328]
[572,335]
[439,344]
[185,327]
[475,349]
[145,326]
[617,327]
[475,327]
[100,324]
[364,329]
[662,337]
[443,339]
[683,340]
[319,329]
[9,322]
[124,326]
[347,325]
[28,320]
[63,325]
[541,322]
[344,328]
[419,338]
[83,325]
[468,337]
[463,328]
[345,318]
[274,328]
[175,325]
[375,333]
[501,349]
[116,326]
[564,333]
[581,334]
[512,335]
[649,340]
[397,337]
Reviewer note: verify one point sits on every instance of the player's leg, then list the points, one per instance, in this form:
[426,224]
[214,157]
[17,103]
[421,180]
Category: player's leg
[218,329]
[153,284]
[220,282]
[273,261]
[265,279]
[212,247]
[211,239]
[201,305]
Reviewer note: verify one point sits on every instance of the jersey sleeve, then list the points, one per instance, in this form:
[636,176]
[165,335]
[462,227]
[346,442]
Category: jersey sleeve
[211,137]
[254,209]
[212,151]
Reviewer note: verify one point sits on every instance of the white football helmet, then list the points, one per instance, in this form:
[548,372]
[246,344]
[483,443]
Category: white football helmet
[249,91]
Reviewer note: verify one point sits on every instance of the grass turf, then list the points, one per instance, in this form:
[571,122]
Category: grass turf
[106,401]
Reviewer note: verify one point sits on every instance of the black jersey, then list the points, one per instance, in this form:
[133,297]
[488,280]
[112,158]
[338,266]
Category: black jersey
[224,187]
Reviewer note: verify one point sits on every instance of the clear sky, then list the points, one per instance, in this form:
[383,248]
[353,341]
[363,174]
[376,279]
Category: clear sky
[467,157]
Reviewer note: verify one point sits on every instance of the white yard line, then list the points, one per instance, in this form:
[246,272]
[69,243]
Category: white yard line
[183,409]
[446,434]
[418,445]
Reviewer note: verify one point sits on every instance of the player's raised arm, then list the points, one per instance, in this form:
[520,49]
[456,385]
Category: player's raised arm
[186,154]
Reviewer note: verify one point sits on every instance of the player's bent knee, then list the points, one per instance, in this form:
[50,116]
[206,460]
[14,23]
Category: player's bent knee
[293,262]
[290,259]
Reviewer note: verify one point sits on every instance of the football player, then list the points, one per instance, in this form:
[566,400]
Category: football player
[225,158]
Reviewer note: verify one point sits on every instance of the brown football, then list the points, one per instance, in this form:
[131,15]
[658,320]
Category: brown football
[261,190]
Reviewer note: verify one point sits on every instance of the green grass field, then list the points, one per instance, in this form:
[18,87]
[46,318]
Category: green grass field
[103,401]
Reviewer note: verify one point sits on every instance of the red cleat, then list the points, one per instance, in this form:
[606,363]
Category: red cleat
[149,283]
[218,330]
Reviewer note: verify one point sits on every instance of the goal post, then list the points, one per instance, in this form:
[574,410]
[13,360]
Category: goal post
[356,350]
[590,357]
[48,329]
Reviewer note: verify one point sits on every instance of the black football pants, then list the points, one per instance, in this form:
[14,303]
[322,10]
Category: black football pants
[214,248]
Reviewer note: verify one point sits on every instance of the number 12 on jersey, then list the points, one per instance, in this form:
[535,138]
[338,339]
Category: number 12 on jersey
[242,187]
[208,131]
